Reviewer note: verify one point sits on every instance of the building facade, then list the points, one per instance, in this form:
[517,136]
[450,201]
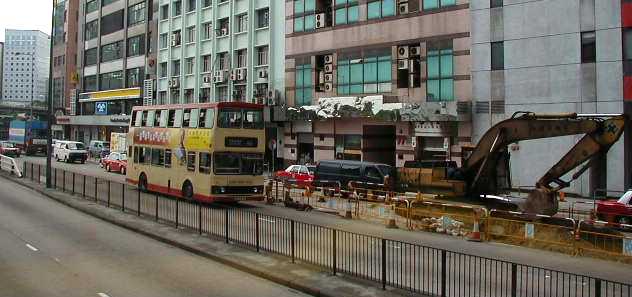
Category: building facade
[526,57]
[64,61]
[26,65]
[115,57]
[385,81]
[220,50]
[1,67]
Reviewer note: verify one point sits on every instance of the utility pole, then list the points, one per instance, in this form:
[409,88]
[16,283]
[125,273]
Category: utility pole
[49,137]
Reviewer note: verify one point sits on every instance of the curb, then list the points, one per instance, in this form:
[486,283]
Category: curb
[281,281]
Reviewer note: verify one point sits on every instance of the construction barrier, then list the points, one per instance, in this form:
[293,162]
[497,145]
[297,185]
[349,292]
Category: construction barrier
[604,240]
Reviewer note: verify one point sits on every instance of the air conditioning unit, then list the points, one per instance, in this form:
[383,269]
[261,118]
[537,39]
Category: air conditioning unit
[414,51]
[329,68]
[329,77]
[272,98]
[241,74]
[329,87]
[403,52]
[329,59]
[233,74]
[218,76]
[402,64]
[403,8]
[262,73]
[321,20]
[207,79]
[169,83]
[175,83]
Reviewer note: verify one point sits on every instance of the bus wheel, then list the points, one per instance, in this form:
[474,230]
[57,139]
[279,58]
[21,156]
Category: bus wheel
[142,182]
[187,190]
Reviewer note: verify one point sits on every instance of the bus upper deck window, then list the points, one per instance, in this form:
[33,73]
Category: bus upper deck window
[157,118]
[186,118]
[151,114]
[172,118]
[164,118]
[230,118]
[253,119]
[195,118]
[138,118]
[177,122]
[209,118]
[143,119]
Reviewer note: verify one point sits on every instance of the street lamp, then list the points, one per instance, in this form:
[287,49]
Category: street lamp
[32,78]
[49,138]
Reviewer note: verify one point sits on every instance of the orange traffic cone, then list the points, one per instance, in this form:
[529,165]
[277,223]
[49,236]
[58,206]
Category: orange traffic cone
[475,235]
[562,196]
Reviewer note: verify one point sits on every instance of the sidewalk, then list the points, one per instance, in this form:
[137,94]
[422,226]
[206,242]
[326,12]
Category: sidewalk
[306,278]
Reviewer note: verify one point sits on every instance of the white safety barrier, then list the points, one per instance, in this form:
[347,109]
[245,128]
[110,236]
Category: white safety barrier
[9,164]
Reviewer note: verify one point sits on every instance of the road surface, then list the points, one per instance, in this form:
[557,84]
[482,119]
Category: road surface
[47,249]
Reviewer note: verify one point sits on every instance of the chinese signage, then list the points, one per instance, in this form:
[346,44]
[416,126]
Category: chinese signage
[240,142]
[197,139]
[435,129]
[152,136]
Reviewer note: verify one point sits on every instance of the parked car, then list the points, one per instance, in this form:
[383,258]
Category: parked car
[98,148]
[116,162]
[302,175]
[9,149]
[338,174]
[70,151]
[616,211]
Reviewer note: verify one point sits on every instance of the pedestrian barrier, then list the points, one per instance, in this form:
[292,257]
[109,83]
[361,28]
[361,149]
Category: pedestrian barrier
[9,164]
[408,266]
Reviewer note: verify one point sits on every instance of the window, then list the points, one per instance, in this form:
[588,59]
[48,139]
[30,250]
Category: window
[112,22]
[371,74]
[350,169]
[112,51]
[432,4]
[223,27]
[230,118]
[177,8]
[134,77]
[206,3]
[263,18]
[222,58]
[347,12]
[136,46]
[188,97]
[207,118]
[163,69]
[175,68]
[303,85]
[90,56]
[304,10]
[221,93]
[157,157]
[206,63]
[380,9]
[262,55]
[191,5]
[496,3]
[589,51]
[190,34]
[164,12]
[440,84]
[147,156]
[107,2]
[205,95]
[189,65]
[92,30]
[227,163]
[168,158]
[242,58]
[498,55]
[253,119]
[90,83]
[175,38]
[242,23]
[205,163]
[207,30]
[164,40]
[627,51]
[136,14]
[111,81]
[191,161]
[91,6]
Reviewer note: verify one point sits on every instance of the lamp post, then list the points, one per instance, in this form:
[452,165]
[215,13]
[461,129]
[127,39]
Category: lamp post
[49,100]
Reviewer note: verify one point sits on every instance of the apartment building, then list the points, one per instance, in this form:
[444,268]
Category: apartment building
[26,65]
[554,56]
[115,66]
[64,60]
[385,81]
[220,50]
[1,67]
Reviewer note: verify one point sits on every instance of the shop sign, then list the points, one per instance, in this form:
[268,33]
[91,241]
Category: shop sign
[435,129]
[62,120]
[120,119]
[101,108]
[151,136]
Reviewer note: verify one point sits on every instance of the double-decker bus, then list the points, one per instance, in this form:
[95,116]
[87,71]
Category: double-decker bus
[207,152]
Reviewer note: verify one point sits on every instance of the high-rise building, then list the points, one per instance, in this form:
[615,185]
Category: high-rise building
[384,81]
[115,57]
[26,65]
[65,78]
[1,67]
[221,50]
[553,57]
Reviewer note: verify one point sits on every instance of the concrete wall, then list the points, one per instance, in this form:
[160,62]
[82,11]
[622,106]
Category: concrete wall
[543,73]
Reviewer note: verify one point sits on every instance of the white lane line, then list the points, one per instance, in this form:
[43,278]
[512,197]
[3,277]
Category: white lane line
[103,295]
[31,247]
[269,221]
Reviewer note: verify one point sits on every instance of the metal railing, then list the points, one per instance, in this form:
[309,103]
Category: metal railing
[403,265]
[9,164]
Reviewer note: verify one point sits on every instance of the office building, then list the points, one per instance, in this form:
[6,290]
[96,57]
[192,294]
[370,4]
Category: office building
[385,81]
[1,67]
[26,65]
[555,56]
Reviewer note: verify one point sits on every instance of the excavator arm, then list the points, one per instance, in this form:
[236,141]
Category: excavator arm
[487,169]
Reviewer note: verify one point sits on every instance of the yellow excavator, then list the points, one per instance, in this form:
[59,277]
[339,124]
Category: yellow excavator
[486,170]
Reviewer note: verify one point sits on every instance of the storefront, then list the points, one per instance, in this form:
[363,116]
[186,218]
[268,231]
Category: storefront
[434,140]
[87,128]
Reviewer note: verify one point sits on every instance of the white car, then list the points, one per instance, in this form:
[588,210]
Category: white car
[70,151]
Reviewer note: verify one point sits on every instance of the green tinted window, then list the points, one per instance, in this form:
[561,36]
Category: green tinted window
[299,26]
[374,10]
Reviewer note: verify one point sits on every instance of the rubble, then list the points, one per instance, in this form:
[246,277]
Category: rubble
[445,225]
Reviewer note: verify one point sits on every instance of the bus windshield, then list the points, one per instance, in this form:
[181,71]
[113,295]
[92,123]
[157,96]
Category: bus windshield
[241,118]
[238,164]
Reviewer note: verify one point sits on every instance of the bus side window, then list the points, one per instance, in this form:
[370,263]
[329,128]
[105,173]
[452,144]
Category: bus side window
[157,157]
[157,118]
[164,118]
[141,155]
[186,118]
[177,122]
[151,114]
[129,152]
[205,163]
[172,118]
[168,158]
[143,119]
[138,119]
[147,157]
[209,118]
[195,118]
[134,113]
[191,161]
[136,155]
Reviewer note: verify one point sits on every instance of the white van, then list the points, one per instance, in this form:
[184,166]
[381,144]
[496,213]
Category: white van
[70,151]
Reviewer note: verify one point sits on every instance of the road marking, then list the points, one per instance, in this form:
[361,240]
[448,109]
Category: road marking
[269,221]
[31,247]
[103,295]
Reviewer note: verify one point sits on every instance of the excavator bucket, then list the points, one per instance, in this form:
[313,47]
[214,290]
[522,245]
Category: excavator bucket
[541,201]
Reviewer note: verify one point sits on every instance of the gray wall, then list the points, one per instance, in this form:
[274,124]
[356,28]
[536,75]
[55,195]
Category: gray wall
[543,73]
